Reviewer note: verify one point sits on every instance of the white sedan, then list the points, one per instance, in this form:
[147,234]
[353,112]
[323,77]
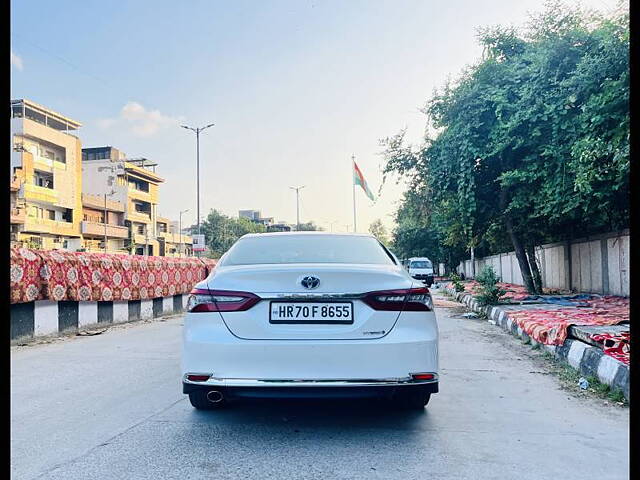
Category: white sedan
[309,314]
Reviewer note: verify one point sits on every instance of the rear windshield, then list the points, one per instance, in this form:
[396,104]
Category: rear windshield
[420,264]
[306,249]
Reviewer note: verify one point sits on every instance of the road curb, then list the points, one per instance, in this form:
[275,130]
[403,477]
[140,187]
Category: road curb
[43,318]
[587,359]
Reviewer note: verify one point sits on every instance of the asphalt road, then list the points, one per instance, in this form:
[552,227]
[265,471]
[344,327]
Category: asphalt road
[110,407]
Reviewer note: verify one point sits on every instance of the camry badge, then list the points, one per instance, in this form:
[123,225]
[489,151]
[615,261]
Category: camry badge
[310,282]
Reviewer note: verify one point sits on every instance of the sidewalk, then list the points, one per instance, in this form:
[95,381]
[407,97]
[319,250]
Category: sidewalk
[574,332]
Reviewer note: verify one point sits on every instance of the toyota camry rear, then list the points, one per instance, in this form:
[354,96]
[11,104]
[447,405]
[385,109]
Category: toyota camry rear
[309,314]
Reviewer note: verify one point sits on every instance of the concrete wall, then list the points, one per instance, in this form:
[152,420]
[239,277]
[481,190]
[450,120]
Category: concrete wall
[598,264]
[45,317]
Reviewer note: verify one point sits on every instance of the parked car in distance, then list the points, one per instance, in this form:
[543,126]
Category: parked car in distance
[309,314]
[421,268]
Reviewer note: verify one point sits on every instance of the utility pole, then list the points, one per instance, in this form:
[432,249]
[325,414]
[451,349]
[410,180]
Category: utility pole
[297,189]
[197,131]
[353,163]
[180,231]
[105,223]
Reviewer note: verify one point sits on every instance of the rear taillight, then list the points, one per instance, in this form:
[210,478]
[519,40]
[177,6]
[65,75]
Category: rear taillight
[408,300]
[423,376]
[203,300]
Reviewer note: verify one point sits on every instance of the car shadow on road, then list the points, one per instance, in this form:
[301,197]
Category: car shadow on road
[327,414]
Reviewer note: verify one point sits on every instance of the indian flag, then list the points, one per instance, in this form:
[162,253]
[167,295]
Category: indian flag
[358,179]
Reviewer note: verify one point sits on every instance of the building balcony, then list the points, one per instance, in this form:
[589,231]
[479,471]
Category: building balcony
[18,215]
[45,225]
[49,162]
[15,184]
[140,238]
[97,202]
[97,229]
[139,217]
[136,194]
[175,238]
[40,194]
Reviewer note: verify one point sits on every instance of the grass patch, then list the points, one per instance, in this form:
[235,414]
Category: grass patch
[618,397]
[569,378]
[596,386]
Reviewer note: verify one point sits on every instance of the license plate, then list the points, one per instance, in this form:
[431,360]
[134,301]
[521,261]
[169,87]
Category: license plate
[311,312]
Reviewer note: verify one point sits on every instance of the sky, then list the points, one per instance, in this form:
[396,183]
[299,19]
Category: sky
[294,89]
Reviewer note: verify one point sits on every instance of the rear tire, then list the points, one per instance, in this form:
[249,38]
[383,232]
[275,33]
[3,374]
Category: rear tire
[413,400]
[199,401]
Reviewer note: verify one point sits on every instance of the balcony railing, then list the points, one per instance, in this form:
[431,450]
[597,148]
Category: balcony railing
[141,238]
[139,194]
[97,229]
[175,238]
[42,194]
[45,225]
[15,184]
[18,215]
[139,217]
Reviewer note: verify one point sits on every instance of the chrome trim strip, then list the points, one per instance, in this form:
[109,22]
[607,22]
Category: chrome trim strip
[262,382]
[314,296]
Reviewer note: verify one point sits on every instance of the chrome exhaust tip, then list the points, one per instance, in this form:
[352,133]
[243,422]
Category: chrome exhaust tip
[215,396]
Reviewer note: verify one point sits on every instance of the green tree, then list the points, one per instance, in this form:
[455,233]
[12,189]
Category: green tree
[378,230]
[308,227]
[221,231]
[531,143]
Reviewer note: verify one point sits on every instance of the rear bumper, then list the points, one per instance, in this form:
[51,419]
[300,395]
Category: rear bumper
[302,383]
[313,391]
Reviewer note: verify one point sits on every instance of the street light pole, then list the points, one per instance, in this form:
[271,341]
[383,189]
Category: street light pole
[297,189]
[180,231]
[105,223]
[197,131]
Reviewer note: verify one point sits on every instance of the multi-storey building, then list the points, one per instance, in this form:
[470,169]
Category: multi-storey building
[46,187]
[133,183]
[103,228]
[172,242]
[256,217]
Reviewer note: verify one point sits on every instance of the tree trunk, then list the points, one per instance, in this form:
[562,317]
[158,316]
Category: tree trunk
[473,263]
[521,255]
[535,271]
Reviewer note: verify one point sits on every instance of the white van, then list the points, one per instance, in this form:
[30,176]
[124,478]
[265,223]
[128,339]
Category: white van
[421,268]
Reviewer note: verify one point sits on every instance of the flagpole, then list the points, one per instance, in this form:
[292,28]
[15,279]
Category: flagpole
[353,163]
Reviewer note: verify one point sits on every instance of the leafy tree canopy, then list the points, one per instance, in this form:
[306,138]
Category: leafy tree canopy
[530,144]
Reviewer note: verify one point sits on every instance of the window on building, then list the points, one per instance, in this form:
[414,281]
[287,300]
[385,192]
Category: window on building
[140,229]
[43,179]
[16,111]
[51,214]
[138,184]
[93,216]
[142,207]
[34,242]
[51,151]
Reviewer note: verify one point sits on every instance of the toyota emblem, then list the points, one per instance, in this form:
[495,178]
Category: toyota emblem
[310,282]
